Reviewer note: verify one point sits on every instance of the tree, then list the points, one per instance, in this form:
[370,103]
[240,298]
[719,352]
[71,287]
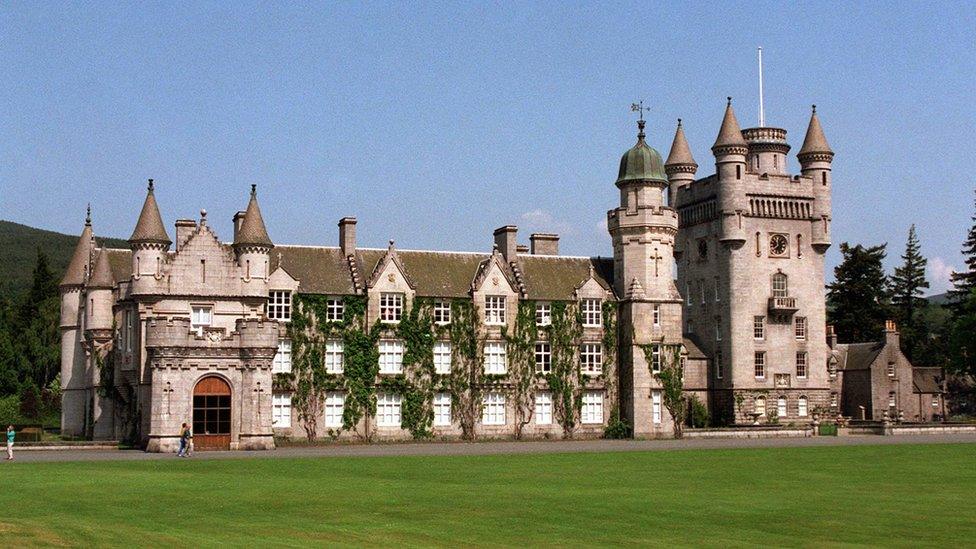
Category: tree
[671,377]
[906,294]
[858,300]
[964,282]
[962,343]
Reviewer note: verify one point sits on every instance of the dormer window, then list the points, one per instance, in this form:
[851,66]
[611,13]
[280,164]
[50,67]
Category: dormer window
[391,307]
[335,309]
[442,312]
[543,314]
[592,313]
[279,305]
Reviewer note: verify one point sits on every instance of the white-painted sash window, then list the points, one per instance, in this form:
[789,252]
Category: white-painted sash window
[335,309]
[543,408]
[592,313]
[591,358]
[282,359]
[442,357]
[801,406]
[279,305]
[388,410]
[496,360]
[592,411]
[391,356]
[442,312]
[391,307]
[281,410]
[200,318]
[493,409]
[335,402]
[334,357]
[494,309]
[543,357]
[442,409]
[543,314]
[656,407]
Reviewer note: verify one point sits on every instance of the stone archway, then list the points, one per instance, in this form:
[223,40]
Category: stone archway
[211,414]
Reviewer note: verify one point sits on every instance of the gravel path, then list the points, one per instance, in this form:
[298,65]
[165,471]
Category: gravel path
[496,448]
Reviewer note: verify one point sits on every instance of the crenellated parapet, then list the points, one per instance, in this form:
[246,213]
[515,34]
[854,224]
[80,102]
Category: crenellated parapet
[253,338]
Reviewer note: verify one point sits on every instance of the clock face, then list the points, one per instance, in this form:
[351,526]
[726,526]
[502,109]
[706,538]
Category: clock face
[702,249]
[778,244]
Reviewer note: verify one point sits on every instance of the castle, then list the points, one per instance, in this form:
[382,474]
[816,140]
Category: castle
[250,340]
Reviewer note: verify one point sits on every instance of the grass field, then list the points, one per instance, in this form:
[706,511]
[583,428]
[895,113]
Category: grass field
[907,495]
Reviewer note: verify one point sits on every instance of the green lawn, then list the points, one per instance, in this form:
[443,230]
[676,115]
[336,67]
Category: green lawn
[868,495]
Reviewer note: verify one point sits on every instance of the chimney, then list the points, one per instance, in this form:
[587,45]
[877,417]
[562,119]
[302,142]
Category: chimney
[891,334]
[184,228]
[521,249]
[831,336]
[505,241]
[544,243]
[238,221]
[347,236]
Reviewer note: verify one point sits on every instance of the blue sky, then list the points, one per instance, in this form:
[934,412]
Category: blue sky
[435,123]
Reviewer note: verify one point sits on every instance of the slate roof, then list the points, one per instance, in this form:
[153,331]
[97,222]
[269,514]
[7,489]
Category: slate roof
[680,151]
[318,270]
[927,379]
[253,231]
[553,277]
[729,135]
[121,263]
[815,140]
[857,356]
[150,227]
[693,350]
[102,276]
[78,266]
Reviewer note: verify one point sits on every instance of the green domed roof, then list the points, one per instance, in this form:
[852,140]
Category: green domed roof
[641,162]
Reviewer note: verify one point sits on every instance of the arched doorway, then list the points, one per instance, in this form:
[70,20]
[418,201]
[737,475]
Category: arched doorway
[211,414]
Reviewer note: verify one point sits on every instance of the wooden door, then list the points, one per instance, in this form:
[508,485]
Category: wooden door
[211,414]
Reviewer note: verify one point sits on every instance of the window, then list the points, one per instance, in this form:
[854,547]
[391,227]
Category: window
[760,406]
[442,409]
[935,402]
[442,312]
[387,410]
[200,317]
[495,358]
[701,290]
[335,308]
[543,408]
[717,296]
[759,327]
[718,329]
[592,411]
[891,369]
[738,171]
[891,400]
[801,407]
[691,326]
[391,307]
[282,359]
[493,409]
[760,363]
[833,400]
[655,358]
[334,363]
[656,407]
[592,315]
[543,314]
[129,331]
[279,305]
[442,357]
[334,404]
[391,356]
[801,364]
[801,328]
[781,407]
[689,301]
[281,410]
[779,285]
[543,357]
[494,309]
[719,373]
[656,315]
[591,358]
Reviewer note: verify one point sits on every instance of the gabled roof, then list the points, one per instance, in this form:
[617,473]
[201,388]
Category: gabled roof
[693,350]
[253,231]
[102,277]
[857,356]
[390,256]
[149,227]
[556,278]
[320,270]
[927,379]
[78,266]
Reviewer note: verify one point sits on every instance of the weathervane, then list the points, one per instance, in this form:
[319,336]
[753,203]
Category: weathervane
[639,107]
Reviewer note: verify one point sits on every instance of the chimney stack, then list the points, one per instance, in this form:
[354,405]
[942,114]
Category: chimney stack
[238,221]
[891,334]
[347,236]
[544,243]
[505,241]
[184,228]
[831,336]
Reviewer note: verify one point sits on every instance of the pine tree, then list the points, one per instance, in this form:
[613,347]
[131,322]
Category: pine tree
[858,301]
[964,282]
[906,294]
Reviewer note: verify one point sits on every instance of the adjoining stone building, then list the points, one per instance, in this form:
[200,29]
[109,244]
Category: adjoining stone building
[229,336]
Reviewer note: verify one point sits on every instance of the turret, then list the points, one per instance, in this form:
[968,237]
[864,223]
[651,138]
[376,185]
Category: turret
[680,166]
[76,276]
[730,151]
[149,243]
[73,383]
[815,159]
[767,150]
[98,308]
[252,243]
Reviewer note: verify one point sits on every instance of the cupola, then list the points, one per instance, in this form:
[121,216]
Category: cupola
[641,162]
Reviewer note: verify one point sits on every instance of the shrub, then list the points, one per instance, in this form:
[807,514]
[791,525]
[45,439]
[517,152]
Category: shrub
[30,400]
[699,413]
[828,429]
[10,410]
[616,427]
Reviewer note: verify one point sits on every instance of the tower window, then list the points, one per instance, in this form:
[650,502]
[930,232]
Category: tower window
[779,285]
[759,327]
[738,171]
[823,178]
[760,364]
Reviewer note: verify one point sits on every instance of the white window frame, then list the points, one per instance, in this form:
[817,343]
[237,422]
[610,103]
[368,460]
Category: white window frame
[591,412]
[335,309]
[335,404]
[718,296]
[802,406]
[442,357]
[718,329]
[442,409]
[335,358]
[543,313]
[656,315]
[592,310]
[129,331]
[281,410]
[442,313]
[656,405]
[759,406]
[655,358]
[833,399]
[801,365]
[391,356]
[388,410]
[591,358]
[781,285]
[495,357]
[759,327]
[782,407]
[543,357]
[197,320]
[701,290]
[759,364]
[391,307]
[495,310]
[279,305]
[719,367]
[281,364]
[690,301]
[800,328]
[543,408]
[892,400]
[493,409]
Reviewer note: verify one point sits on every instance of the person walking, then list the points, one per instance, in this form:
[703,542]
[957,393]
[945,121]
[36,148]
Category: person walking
[183,441]
[10,442]
[189,442]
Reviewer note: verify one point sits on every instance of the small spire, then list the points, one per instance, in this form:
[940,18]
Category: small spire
[730,135]
[815,141]
[392,244]
[102,272]
[680,151]
[149,228]
[253,231]
[150,185]
[88,216]
[254,189]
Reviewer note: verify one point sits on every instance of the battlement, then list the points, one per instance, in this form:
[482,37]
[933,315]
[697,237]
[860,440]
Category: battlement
[179,332]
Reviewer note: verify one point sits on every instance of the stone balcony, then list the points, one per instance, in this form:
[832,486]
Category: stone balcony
[782,305]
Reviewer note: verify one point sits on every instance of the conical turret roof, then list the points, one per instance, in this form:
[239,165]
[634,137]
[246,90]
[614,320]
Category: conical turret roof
[730,135]
[150,227]
[815,140]
[253,232]
[102,272]
[680,152]
[78,266]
